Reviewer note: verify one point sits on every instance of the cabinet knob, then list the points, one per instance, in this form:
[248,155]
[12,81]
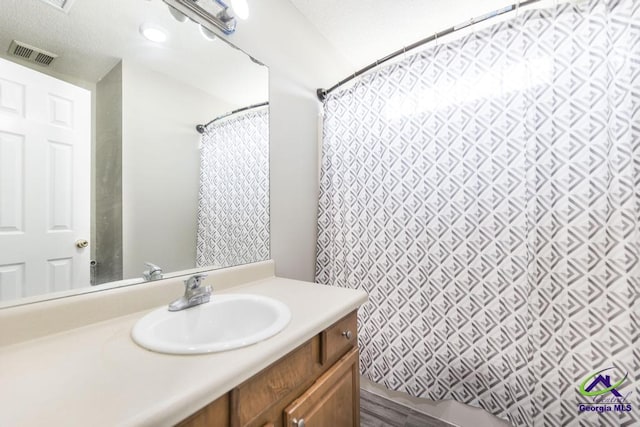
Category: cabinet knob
[347,334]
[298,423]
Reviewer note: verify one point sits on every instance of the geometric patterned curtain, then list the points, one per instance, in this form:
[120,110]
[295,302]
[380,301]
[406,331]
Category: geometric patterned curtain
[233,208]
[486,194]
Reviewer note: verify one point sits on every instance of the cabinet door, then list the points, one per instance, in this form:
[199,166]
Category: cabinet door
[332,401]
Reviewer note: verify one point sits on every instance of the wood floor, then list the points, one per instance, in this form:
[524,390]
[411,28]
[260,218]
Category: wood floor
[376,411]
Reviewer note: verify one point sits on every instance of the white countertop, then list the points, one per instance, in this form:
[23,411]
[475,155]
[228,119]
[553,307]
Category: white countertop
[96,375]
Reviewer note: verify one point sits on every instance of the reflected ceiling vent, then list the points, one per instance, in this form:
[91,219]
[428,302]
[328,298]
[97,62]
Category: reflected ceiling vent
[63,5]
[31,53]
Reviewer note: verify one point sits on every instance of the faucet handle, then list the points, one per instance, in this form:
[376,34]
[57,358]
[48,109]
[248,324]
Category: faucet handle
[194,293]
[153,273]
[194,281]
[152,266]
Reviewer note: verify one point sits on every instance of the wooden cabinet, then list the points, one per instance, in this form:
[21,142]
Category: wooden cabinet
[261,399]
[332,400]
[317,383]
[215,414]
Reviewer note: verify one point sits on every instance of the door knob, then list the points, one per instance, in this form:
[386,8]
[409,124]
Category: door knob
[81,243]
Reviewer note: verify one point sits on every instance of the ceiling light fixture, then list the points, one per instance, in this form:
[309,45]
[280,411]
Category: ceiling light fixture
[240,8]
[153,33]
[214,12]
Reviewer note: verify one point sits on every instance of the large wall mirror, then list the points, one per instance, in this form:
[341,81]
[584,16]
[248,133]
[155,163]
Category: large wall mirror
[101,167]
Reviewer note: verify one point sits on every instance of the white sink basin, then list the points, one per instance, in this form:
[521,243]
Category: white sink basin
[224,323]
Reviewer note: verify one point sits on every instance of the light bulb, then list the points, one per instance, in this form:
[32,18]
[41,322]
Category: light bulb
[153,33]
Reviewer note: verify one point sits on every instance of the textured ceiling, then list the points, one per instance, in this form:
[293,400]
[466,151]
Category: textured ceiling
[96,34]
[366,30]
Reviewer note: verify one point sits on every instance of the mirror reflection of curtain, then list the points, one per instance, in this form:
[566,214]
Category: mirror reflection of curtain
[233,209]
[486,194]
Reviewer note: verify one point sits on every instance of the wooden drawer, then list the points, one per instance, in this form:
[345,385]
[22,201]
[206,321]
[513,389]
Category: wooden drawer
[268,388]
[339,338]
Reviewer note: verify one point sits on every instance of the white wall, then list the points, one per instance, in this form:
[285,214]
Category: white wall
[366,31]
[160,168]
[299,61]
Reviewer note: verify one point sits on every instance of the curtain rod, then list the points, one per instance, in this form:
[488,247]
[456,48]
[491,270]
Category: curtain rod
[202,128]
[322,93]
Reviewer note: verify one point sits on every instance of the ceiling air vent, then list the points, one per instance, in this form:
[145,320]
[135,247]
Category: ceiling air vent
[31,54]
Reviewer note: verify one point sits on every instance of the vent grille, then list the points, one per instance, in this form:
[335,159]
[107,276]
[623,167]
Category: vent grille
[31,54]
[23,52]
[44,59]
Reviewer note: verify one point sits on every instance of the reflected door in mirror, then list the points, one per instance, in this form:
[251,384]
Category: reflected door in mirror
[45,145]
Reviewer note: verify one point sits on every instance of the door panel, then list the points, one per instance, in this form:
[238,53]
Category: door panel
[60,191]
[12,181]
[11,281]
[60,274]
[12,96]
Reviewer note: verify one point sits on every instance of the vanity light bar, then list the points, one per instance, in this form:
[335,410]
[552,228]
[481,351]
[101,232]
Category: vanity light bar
[214,12]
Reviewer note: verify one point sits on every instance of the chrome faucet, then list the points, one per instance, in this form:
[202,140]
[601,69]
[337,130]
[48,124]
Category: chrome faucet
[194,294]
[153,273]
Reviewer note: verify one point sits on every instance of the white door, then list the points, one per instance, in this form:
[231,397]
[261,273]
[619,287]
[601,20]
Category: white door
[45,146]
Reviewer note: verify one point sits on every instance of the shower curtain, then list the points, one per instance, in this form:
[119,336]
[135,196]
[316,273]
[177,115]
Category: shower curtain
[233,207]
[486,194]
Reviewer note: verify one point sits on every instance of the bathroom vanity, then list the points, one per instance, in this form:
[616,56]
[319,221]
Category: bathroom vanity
[72,361]
[316,384]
